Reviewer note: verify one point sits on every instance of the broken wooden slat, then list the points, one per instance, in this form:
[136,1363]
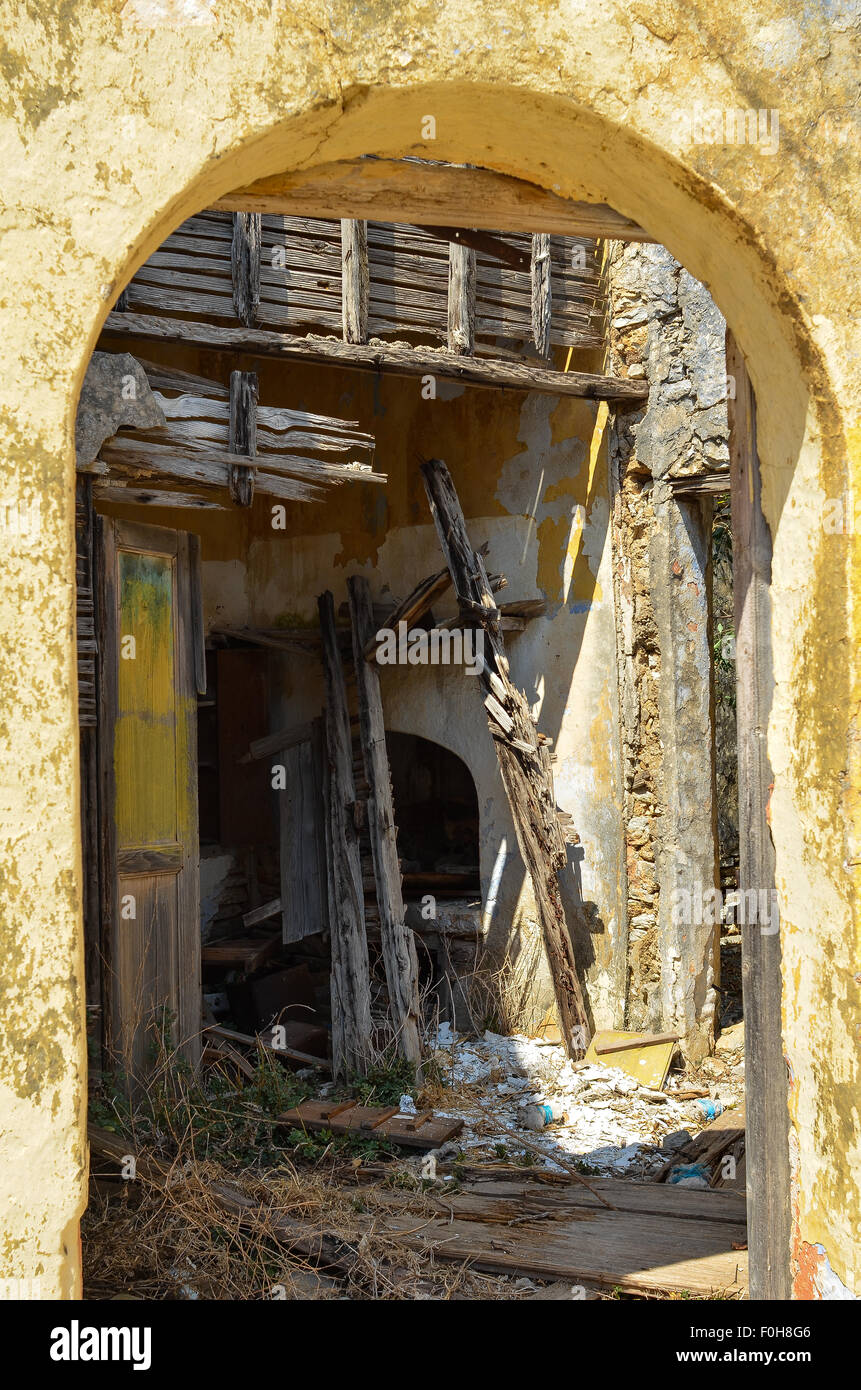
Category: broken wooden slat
[262,913]
[385,1122]
[143,457]
[243,435]
[414,606]
[542,302]
[240,953]
[524,608]
[382,358]
[355,283]
[116,491]
[398,946]
[351,1004]
[278,742]
[461,299]
[245,265]
[232,1035]
[528,783]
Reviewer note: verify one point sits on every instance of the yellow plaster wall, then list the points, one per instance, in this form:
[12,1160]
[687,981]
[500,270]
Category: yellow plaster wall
[118,120]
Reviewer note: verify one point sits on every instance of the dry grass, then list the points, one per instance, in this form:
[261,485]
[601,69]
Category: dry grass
[179,1242]
[219,1205]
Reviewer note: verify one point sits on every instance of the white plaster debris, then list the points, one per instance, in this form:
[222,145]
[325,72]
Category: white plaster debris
[614,1125]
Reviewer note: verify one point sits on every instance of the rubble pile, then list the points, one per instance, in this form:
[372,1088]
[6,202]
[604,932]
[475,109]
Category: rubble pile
[612,1125]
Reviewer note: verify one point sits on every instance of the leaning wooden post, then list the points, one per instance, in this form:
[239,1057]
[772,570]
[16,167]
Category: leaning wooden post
[245,265]
[242,438]
[461,299]
[398,946]
[355,280]
[542,299]
[524,763]
[350,980]
[767,1154]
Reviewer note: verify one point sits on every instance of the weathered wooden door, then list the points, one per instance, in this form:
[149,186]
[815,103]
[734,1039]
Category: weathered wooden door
[147,734]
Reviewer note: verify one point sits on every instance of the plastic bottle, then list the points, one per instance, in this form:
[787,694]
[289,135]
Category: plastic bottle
[541,1115]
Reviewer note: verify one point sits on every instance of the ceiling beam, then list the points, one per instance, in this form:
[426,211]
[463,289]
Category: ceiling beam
[407,190]
[396,359]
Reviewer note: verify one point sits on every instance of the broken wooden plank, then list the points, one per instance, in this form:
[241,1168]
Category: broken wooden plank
[413,607]
[350,979]
[384,1121]
[528,781]
[398,945]
[680,1241]
[242,436]
[278,742]
[144,456]
[307,1059]
[461,299]
[245,266]
[422,192]
[393,358]
[708,1146]
[128,495]
[355,282]
[245,953]
[262,913]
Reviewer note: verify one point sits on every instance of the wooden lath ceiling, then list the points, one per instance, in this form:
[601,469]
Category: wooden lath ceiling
[298,455]
[301,282]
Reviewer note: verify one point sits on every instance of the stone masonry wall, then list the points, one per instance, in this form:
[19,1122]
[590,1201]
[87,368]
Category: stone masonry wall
[666,328]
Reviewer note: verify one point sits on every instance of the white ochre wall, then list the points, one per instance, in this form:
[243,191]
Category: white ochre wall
[119,120]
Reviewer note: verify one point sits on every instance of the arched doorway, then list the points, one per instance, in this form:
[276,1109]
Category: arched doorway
[505,128]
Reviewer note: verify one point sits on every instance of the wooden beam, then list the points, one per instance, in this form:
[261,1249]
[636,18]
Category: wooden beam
[278,742]
[242,438]
[767,1155]
[210,466]
[397,190]
[391,358]
[398,945]
[115,491]
[542,299]
[350,979]
[461,299]
[355,280]
[245,265]
[524,762]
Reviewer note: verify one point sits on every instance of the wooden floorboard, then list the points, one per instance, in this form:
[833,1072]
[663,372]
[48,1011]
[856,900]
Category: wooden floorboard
[658,1239]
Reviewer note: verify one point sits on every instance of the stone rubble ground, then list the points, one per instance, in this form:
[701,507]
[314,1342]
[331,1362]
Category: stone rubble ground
[614,1127]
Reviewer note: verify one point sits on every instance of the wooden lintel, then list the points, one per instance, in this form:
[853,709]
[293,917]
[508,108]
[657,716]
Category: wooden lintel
[395,359]
[397,190]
